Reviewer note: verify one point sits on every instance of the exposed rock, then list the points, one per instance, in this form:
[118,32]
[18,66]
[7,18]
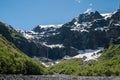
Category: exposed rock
[87,31]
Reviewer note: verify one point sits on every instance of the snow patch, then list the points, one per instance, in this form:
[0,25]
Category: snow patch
[88,11]
[101,28]
[79,29]
[47,64]
[67,57]
[117,24]
[84,24]
[54,45]
[107,15]
[27,34]
[76,23]
[44,64]
[48,26]
[89,54]
[84,30]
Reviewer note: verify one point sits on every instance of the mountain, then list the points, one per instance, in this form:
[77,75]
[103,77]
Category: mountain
[81,41]
[87,31]
[13,61]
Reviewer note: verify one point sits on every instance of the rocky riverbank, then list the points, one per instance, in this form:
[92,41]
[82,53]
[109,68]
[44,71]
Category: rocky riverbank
[54,77]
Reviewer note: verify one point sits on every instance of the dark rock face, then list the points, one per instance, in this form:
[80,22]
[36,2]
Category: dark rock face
[116,16]
[37,29]
[99,23]
[87,31]
[89,17]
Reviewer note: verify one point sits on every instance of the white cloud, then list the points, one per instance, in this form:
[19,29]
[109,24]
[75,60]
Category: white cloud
[89,10]
[90,4]
[78,1]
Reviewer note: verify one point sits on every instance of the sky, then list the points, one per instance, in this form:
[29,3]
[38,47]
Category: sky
[27,14]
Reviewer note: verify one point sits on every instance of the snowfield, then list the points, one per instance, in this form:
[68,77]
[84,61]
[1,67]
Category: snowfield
[89,54]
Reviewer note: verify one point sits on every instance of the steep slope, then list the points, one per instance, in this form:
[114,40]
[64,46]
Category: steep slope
[111,52]
[107,65]
[13,61]
[28,47]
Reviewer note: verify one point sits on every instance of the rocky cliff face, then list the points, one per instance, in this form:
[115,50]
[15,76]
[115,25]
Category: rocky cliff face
[87,31]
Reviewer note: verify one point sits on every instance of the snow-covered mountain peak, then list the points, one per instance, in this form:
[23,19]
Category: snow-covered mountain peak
[88,11]
[52,25]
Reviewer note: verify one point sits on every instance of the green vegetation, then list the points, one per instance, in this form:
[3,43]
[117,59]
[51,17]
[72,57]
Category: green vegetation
[13,61]
[8,32]
[72,66]
[107,65]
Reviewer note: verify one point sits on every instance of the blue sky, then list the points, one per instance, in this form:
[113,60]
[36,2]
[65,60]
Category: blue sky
[26,14]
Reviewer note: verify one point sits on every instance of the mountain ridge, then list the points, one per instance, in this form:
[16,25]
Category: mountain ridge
[87,31]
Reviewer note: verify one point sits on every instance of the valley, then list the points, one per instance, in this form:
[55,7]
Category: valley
[86,48]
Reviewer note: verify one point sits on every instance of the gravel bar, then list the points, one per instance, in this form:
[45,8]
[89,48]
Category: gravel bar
[54,77]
